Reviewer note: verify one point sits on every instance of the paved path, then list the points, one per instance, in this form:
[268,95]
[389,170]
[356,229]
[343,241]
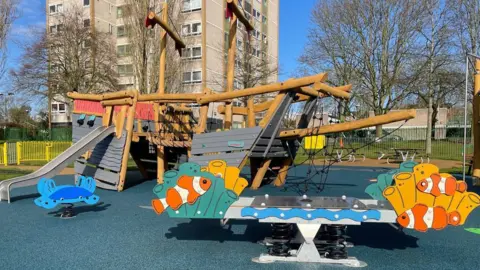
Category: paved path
[119,234]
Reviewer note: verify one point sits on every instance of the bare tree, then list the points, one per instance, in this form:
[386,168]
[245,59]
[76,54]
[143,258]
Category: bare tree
[8,14]
[433,61]
[369,43]
[467,25]
[69,56]
[145,45]
[253,66]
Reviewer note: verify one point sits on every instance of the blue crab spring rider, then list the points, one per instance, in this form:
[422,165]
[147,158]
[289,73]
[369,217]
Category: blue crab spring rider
[53,195]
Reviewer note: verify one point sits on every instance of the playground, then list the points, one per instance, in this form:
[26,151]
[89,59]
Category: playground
[120,233]
[154,186]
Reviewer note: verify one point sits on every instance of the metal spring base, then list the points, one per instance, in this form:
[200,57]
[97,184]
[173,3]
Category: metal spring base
[331,242]
[327,247]
[280,240]
[68,212]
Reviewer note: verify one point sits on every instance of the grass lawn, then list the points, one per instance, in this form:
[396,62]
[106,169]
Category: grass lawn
[8,173]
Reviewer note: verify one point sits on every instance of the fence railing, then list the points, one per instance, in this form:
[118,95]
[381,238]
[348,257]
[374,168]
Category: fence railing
[19,152]
[447,149]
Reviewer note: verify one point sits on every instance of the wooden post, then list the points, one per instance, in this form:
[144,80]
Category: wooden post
[282,174]
[250,112]
[271,111]
[476,124]
[107,116]
[163,51]
[232,47]
[128,142]
[257,181]
[203,118]
[160,163]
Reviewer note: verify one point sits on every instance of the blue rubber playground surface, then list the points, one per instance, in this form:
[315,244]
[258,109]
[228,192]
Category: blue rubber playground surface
[120,234]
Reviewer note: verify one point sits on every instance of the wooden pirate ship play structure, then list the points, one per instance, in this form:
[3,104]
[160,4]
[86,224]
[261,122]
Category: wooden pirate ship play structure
[198,170]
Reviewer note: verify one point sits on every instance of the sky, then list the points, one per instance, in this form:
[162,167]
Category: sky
[294,24]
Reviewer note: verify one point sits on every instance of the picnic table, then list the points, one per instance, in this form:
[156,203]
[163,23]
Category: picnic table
[403,153]
[351,154]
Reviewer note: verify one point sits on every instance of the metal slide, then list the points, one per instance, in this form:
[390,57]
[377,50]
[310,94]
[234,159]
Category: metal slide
[57,164]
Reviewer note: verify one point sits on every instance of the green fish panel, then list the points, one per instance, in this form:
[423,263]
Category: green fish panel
[212,204]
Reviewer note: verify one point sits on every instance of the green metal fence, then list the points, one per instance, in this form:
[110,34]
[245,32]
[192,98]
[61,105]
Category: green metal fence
[447,143]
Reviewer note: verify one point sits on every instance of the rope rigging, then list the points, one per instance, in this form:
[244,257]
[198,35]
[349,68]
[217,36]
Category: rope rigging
[309,182]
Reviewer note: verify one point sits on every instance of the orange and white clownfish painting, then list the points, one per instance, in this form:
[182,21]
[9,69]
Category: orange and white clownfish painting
[438,185]
[422,218]
[187,190]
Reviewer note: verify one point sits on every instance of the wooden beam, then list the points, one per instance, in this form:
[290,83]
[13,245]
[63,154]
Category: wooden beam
[263,89]
[235,110]
[161,97]
[232,4]
[120,94]
[181,109]
[153,19]
[348,126]
[117,102]
[91,97]
[340,92]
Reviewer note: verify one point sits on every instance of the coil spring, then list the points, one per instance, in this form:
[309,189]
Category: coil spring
[331,242]
[281,236]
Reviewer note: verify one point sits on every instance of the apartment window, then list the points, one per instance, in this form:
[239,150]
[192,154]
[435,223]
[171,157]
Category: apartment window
[121,31]
[124,50]
[256,33]
[56,8]
[255,52]
[256,14]
[248,7]
[110,28]
[120,12]
[190,29]
[239,45]
[264,39]
[86,3]
[125,70]
[191,5]
[192,77]
[86,23]
[265,2]
[264,19]
[194,52]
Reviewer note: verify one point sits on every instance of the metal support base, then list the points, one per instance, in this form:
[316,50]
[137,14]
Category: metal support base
[68,212]
[308,251]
